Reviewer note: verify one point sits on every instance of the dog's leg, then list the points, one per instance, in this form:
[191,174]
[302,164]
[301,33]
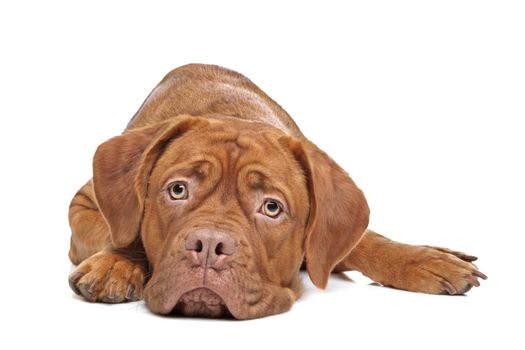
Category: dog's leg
[89,231]
[415,268]
[104,274]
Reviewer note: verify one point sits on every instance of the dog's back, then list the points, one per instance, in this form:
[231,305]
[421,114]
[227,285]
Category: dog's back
[198,89]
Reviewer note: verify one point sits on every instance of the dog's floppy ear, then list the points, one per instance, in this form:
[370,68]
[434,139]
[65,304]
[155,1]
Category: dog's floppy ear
[338,210]
[121,169]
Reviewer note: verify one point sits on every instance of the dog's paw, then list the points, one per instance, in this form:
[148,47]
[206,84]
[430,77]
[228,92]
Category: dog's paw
[436,271]
[108,278]
[440,271]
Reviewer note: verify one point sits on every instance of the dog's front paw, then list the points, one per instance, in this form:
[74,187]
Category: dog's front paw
[108,278]
[439,271]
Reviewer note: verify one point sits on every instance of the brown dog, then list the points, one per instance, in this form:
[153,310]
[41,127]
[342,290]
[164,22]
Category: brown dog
[211,201]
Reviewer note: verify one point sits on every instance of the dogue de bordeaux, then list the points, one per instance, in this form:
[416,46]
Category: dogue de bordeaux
[212,200]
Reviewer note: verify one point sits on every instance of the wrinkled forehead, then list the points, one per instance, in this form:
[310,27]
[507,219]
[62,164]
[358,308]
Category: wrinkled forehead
[249,150]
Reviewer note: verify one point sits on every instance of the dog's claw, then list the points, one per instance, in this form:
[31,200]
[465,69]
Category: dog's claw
[449,287]
[473,280]
[111,291]
[112,296]
[479,274]
[130,295]
[86,290]
[73,280]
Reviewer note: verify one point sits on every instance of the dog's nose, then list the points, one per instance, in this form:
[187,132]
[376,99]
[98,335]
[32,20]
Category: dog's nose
[210,248]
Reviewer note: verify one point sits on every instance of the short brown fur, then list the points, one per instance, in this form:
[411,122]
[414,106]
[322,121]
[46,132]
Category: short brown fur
[233,149]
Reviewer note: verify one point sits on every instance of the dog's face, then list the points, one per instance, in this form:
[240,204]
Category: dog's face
[224,223]
[226,211]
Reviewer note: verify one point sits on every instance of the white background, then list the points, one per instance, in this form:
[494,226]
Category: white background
[421,102]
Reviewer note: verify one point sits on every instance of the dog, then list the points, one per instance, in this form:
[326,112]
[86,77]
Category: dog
[212,200]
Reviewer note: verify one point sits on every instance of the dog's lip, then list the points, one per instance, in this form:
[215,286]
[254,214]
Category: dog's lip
[215,308]
[172,300]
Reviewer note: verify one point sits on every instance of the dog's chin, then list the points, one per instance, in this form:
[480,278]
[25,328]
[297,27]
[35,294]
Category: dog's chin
[201,302]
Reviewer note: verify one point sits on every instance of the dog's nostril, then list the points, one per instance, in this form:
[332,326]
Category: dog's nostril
[218,249]
[198,249]
[209,248]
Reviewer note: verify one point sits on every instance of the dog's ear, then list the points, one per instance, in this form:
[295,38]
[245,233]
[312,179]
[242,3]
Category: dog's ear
[121,169]
[338,210]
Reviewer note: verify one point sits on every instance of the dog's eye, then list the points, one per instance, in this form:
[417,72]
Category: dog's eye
[272,208]
[178,191]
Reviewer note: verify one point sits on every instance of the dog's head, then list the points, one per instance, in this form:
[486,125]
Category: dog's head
[227,211]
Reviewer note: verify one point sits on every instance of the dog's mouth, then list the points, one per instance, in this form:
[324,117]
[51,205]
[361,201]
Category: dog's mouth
[201,302]
[224,294]
[197,292]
